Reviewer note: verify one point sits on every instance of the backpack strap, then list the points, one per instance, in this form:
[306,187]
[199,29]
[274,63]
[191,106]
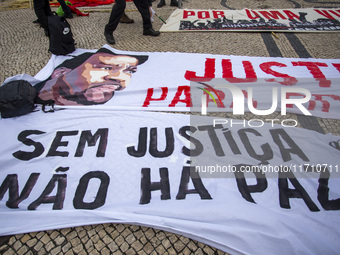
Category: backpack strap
[48,103]
[44,104]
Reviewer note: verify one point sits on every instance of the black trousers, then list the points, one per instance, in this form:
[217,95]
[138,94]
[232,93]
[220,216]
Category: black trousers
[65,7]
[42,9]
[118,10]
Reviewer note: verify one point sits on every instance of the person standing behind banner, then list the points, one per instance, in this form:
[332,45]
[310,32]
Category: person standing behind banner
[117,12]
[162,3]
[66,9]
[42,9]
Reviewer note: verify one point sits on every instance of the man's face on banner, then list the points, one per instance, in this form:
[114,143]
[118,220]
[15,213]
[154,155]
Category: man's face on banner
[103,74]
[93,82]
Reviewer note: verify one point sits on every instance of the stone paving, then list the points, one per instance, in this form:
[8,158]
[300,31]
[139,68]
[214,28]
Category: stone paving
[104,239]
[24,49]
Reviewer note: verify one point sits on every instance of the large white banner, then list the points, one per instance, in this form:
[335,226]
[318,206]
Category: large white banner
[80,167]
[163,81]
[283,20]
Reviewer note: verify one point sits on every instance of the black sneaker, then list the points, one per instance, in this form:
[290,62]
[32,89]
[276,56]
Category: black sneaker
[109,38]
[151,32]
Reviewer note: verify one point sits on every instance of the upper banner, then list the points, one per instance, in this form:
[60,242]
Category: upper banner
[285,20]
[79,167]
[123,80]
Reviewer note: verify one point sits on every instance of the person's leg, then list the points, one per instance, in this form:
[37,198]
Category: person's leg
[42,10]
[143,8]
[47,8]
[37,7]
[115,16]
[67,11]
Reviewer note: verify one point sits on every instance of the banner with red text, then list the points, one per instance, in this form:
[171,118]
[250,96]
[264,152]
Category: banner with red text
[79,167]
[283,20]
[164,81]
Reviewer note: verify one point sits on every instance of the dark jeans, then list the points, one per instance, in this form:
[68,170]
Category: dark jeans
[42,9]
[118,10]
[65,7]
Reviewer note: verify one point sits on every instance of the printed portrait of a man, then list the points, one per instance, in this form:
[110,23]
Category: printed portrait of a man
[90,78]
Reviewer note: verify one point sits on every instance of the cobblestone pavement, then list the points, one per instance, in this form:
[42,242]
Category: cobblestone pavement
[24,49]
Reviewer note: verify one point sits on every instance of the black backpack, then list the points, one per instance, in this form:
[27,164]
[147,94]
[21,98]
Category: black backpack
[17,98]
[60,35]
